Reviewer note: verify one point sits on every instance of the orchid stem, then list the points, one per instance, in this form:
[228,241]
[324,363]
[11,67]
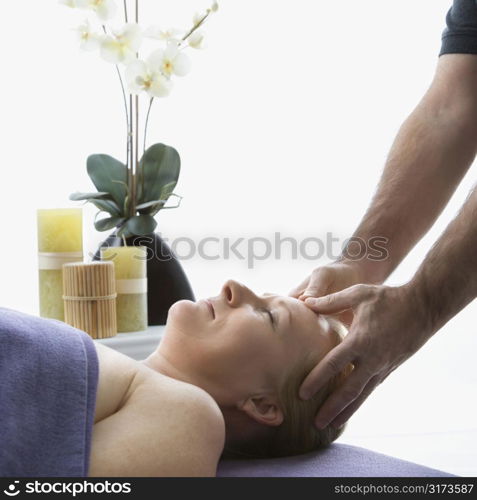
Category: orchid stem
[125,104]
[126,11]
[147,123]
[136,152]
[135,157]
[131,159]
[123,90]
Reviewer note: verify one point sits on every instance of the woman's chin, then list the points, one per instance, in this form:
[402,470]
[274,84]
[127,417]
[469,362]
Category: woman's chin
[180,311]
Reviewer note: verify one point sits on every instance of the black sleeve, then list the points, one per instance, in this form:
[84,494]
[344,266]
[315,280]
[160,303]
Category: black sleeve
[460,36]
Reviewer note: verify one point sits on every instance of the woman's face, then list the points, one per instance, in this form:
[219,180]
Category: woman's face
[237,342]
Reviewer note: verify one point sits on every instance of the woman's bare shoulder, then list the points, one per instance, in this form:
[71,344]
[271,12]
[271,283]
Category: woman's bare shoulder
[123,380]
[182,408]
[160,426]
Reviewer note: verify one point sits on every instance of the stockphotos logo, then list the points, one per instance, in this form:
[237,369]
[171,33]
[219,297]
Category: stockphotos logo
[13,489]
[72,489]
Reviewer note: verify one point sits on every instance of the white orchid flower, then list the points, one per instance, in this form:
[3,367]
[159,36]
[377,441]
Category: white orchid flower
[122,46]
[170,35]
[196,40]
[170,61]
[69,3]
[198,18]
[105,9]
[88,39]
[81,4]
[147,77]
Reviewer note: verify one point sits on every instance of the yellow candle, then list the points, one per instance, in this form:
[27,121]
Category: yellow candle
[60,241]
[131,286]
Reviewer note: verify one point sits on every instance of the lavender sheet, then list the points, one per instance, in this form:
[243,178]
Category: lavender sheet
[338,460]
[48,382]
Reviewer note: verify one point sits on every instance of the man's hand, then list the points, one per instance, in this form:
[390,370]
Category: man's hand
[432,152]
[388,327]
[328,279]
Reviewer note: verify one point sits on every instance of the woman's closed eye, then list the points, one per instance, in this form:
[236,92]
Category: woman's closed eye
[270,316]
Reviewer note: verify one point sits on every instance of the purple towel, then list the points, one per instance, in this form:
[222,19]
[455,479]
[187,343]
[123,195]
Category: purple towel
[48,382]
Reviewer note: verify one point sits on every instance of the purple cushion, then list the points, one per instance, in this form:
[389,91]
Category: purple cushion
[338,460]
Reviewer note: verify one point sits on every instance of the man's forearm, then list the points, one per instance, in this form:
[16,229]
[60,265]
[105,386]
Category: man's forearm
[447,279]
[431,153]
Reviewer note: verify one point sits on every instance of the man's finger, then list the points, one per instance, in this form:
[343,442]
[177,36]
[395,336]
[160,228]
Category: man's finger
[340,301]
[349,411]
[340,399]
[318,284]
[333,363]
[297,291]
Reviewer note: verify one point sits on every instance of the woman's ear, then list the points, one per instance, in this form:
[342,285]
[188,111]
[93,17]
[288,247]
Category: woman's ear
[264,409]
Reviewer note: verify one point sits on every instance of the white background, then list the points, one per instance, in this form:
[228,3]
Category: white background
[283,125]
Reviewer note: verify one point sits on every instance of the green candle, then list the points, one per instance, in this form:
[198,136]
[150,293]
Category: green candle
[131,286]
[60,241]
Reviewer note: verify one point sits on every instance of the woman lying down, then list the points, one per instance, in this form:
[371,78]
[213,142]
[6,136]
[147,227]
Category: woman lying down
[222,382]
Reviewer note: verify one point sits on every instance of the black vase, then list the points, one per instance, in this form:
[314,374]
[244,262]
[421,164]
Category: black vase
[167,282]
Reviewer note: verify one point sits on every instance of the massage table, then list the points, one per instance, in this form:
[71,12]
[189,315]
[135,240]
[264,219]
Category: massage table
[48,381]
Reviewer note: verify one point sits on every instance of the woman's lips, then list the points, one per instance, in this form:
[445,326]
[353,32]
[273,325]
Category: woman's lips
[211,307]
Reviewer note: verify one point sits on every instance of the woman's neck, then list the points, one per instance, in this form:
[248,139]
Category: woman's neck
[159,363]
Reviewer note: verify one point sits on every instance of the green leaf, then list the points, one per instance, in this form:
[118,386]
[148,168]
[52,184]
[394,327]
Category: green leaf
[107,206]
[154,207]
[122,232]
[126,204]
[150,204]
[156,210]
[109,176]
[89,196]
[109,223]
[167,190]
[159,168]
[126,187]
[140,225]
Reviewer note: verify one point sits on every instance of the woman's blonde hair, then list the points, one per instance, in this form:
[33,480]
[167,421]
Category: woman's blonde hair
[297,434]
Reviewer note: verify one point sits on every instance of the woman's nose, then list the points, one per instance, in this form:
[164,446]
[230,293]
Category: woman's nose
[236,294]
